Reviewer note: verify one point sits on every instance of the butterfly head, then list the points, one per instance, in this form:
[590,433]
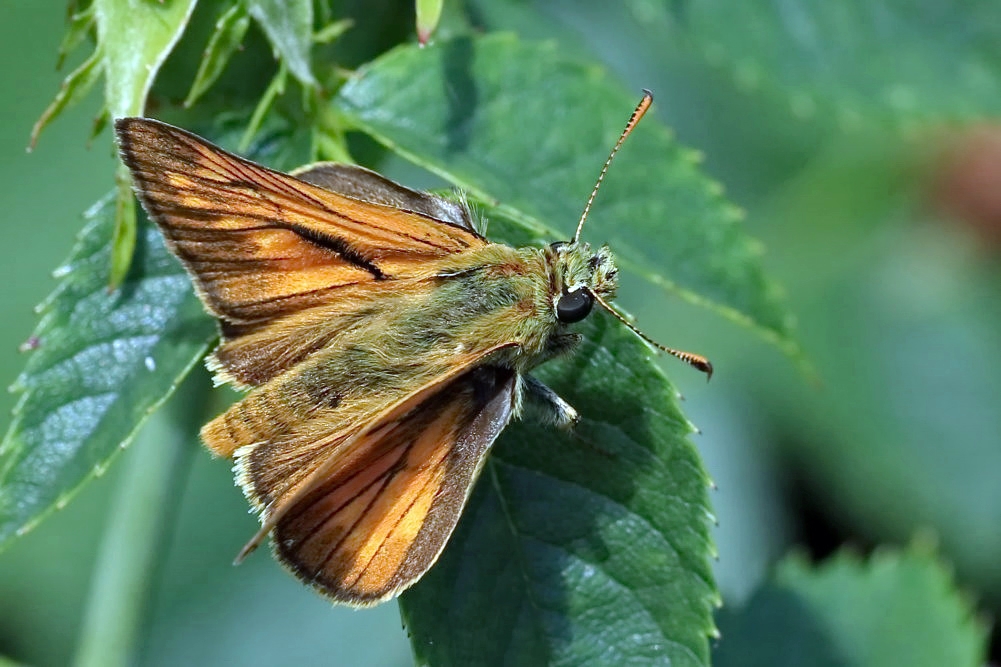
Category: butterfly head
[581,276]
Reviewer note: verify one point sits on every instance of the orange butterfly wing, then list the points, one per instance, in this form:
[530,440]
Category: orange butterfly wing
[264,246]
[380,518]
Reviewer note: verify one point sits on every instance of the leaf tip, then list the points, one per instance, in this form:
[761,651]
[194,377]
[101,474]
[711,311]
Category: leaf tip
[693,156]
[428,14]
[32,343]
[735,213]
[36,131]
[124,235]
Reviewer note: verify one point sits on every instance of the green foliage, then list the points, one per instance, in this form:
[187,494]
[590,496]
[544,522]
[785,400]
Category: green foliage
[227,37]
[593,547]
[833,58]
[894,609]
[134,38]
[105,360]
[74,88]
[428,15]
[865,351]
[289,27]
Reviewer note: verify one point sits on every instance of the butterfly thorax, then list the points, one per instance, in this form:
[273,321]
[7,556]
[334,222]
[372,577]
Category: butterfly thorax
[527,297]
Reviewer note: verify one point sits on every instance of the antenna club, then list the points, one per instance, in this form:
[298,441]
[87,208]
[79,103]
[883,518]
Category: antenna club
[696,361]
[704,366]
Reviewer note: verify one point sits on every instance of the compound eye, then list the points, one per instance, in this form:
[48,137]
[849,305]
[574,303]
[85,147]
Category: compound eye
[574,306]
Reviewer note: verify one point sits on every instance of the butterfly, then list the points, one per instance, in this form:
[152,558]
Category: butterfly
[383,342]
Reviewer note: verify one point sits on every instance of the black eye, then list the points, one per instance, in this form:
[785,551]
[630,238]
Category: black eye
[574,306]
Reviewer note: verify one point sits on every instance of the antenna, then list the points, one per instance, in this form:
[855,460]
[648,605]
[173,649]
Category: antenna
[633,120]
[696,361]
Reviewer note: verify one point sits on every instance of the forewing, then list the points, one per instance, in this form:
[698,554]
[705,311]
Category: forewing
[378,521]
[365,184]
[262,244]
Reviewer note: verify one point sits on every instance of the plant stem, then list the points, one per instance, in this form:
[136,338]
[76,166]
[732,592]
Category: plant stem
[139,522]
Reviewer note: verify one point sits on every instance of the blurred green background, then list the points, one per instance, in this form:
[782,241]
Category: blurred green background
[894,432]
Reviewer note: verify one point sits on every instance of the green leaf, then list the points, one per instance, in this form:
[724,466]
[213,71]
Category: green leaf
[589,547]
[892,61]
[332,31]
[227,36]
[123,240]
[104,360]
[274,90]
[288,25]
[520,124]
[100,122]
[74,88]
[81,22]
[134,38]
[895,609]
[428,15]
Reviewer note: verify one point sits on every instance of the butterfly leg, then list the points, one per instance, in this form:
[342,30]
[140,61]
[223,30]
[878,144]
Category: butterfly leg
[544,405]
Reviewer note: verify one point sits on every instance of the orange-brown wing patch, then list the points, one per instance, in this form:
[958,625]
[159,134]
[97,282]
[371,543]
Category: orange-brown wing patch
[377,522]
[252,355]
[260,243]
[290,434]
